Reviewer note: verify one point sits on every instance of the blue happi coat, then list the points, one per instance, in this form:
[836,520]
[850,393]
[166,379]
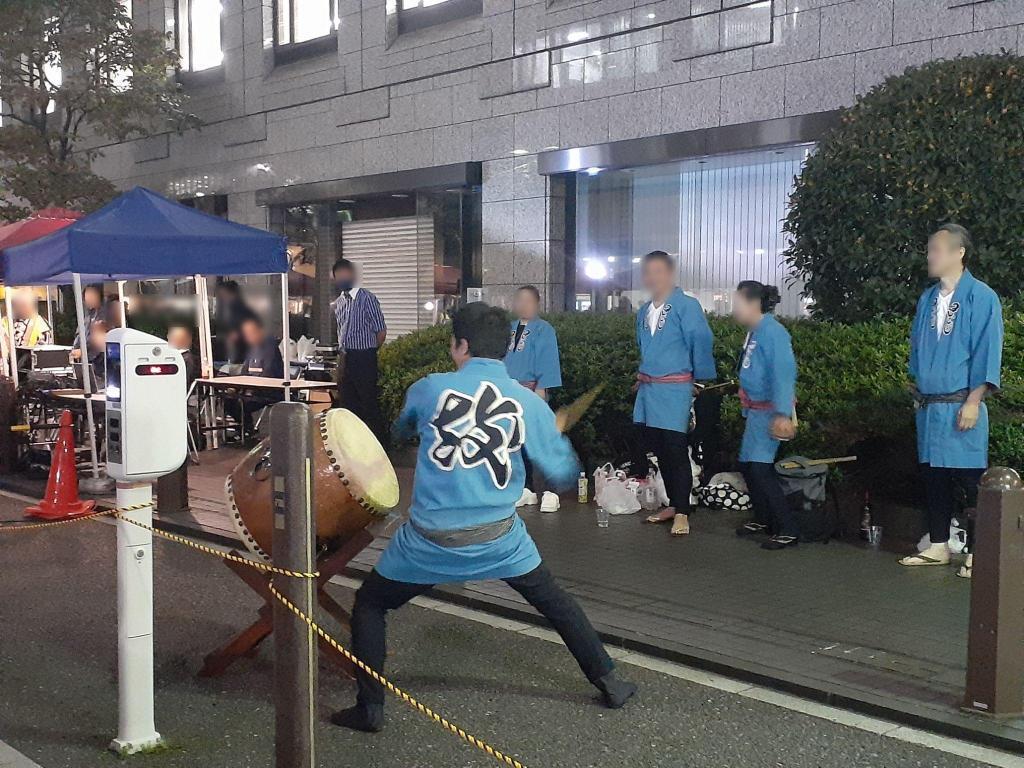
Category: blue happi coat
[960,351]
[473,425]
[534,360]
[681,343]
[767,374]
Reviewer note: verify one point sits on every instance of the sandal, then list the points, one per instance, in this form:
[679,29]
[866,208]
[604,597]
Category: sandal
[751,529]
[680,525]
[664,515]
[917,560]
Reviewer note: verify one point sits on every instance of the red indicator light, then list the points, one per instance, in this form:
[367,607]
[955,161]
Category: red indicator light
[162,369]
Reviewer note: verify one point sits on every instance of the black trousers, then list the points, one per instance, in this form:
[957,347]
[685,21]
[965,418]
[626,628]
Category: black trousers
[770,505]
[359,390]
[535,480]
[940,486]
[673,452]
[378,595]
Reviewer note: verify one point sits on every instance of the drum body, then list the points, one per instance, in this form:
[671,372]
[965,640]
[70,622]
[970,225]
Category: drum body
[353,484]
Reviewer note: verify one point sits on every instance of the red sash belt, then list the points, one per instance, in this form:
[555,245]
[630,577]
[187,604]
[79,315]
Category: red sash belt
[755,405]
[671,378]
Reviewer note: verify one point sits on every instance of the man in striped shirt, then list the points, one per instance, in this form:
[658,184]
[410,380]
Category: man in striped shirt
[361,331]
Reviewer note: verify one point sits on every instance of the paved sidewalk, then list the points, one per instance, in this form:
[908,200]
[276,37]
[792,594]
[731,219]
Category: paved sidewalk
[839,623]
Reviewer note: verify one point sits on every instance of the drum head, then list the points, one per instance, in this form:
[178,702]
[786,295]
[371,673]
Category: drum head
[359,460]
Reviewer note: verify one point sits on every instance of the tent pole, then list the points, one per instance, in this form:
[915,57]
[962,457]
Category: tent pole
[285,335]
[204,351]
[86,377]
[12,352]
[49,310]
[120,300]
[203,297]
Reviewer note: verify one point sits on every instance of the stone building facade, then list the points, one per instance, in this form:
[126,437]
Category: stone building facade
[507,83]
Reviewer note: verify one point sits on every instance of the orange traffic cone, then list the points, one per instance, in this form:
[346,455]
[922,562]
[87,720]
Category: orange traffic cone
[61,501]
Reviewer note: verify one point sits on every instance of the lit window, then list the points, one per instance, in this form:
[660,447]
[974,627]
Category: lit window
[198,34]
[301,20]
[417,14]
[54,77]
[121,80]
[407,4]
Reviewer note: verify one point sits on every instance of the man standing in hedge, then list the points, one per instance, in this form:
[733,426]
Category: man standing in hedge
[956,345]
[532,360]
[675,348]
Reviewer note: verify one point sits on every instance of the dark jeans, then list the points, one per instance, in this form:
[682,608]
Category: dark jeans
[770,505]
[378,595]
[359,391]
[673,452]
[940,501]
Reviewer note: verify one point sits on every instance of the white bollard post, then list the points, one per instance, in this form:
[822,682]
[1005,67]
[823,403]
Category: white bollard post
[136,730]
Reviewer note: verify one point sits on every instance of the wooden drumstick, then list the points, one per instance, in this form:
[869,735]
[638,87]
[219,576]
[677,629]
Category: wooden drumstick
[568,415]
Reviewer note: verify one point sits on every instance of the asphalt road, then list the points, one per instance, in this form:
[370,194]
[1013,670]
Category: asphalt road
[58,693]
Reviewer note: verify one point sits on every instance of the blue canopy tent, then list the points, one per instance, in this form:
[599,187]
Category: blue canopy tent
[141,235]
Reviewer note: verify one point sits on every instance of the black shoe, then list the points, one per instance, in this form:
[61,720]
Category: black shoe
[368,719]
[751,529]
[780,542]
[614,691]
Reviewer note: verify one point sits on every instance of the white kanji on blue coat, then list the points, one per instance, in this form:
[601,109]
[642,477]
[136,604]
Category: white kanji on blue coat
[483,429]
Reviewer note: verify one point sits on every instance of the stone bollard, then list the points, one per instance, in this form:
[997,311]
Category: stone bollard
[995,643]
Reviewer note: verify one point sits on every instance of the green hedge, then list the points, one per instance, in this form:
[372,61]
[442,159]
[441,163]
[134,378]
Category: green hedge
[852,388]
[939,142]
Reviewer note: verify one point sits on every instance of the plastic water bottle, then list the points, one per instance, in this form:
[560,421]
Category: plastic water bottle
[866,517]
[582,486]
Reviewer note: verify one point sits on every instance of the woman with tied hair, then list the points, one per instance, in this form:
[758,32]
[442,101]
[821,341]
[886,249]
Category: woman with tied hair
[767,375]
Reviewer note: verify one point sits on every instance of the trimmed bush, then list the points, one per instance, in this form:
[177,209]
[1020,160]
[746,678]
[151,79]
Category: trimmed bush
[941,142]
[852,388]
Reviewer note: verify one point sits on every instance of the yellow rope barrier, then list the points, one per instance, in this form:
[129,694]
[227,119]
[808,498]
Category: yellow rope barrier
[423,709]
[120,512]
[216,552]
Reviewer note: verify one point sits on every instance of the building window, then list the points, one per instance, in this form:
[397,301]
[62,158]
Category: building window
[304,28]
[721,217]
[417,14]
[198,34]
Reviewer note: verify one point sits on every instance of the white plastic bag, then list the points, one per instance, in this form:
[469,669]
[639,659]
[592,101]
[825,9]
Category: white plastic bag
[601,475]
[654,476]
[617,498]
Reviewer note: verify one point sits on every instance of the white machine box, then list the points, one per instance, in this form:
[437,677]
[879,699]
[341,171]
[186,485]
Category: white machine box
[146,406]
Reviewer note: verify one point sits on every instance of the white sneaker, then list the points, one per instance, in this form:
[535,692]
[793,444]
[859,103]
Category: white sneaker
[528,499]
[549,502]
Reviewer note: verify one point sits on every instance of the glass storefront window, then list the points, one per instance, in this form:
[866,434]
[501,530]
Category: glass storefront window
[418,251]
[721,217]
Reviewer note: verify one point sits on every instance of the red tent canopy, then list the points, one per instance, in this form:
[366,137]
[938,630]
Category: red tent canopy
[35,226]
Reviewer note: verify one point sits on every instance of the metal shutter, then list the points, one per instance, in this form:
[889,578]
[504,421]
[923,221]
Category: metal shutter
[386,253]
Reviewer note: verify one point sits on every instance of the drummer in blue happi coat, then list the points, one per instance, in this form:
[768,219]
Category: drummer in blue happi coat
[532,360]
[767,376]
[473,426]
[956,346]
[675,349]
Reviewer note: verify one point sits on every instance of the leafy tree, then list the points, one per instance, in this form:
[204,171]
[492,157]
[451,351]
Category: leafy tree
[942,142]
[75,74]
